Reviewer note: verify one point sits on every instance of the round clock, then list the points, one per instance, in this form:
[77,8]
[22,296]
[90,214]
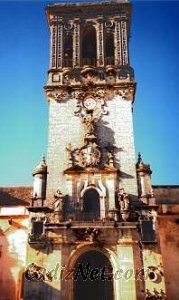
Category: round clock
[89,103]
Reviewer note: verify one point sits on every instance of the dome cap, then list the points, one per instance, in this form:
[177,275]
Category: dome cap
[41,168]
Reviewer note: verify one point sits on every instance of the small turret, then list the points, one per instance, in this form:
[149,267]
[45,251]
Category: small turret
[40,178]
[144,179]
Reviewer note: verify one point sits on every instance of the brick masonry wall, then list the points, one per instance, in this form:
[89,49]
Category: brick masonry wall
[115,128]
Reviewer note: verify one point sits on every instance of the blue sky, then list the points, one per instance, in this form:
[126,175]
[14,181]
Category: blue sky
[24,60]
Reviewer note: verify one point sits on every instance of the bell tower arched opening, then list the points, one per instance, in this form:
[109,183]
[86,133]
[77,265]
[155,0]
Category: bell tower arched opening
[93,287]
[89,49]
[109,48]
[68,51]
[91,204]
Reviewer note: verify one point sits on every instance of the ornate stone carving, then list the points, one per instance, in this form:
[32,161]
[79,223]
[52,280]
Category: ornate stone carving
[74,159]
[91,102]
[126,93]
[68,26]
[87,234]
[89,75]
[89,155]
[110,75]
[155,295]
[57,95]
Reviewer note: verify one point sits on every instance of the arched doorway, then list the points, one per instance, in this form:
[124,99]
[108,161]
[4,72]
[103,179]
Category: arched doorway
[90,284]
[91,205]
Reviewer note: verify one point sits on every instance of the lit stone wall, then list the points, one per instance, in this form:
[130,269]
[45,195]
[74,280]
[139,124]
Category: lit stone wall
[64,128]
[126,287]
[115,128]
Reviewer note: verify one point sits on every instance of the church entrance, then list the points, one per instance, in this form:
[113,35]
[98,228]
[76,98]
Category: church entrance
[91,205]
[93,277]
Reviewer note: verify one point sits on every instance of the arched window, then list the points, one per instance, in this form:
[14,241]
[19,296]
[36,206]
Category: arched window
[109,48]
[68,51]
[89,46]
[91,205]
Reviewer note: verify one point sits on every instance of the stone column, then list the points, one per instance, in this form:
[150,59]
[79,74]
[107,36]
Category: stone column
[124,42]
[53,54]
[76,43]
[60,45]
[100,42]
[121,42]
[117,42]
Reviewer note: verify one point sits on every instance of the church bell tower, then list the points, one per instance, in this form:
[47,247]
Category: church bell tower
[96,213]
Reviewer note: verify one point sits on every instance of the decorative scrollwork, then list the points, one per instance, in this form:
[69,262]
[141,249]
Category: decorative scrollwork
[57,95]
[93,102]
[125,93]
[87,234]
[155,295]
[68,27]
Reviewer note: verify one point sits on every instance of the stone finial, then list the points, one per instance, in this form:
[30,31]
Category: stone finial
[139,158]
[142,167]
[43,159]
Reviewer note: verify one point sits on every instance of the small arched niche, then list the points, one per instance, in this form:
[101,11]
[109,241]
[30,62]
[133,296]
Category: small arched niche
[89,50]
[91,205]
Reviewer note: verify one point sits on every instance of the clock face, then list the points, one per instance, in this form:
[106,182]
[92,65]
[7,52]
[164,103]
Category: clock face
[89,103]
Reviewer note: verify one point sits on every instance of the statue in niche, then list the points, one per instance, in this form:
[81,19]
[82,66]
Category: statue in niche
[123,199]
[58,206]
[124,204]
[89,121]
